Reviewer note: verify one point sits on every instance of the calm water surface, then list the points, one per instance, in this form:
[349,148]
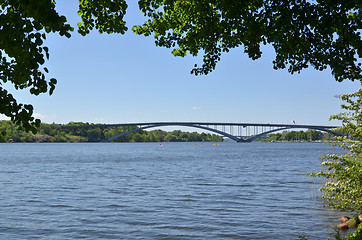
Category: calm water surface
[175,191]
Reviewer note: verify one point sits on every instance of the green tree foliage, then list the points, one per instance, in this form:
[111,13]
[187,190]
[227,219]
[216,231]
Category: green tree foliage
[24,26]
[105,16]
[94,133]
[318,33]
[343,173]
[304,33]
[310,135]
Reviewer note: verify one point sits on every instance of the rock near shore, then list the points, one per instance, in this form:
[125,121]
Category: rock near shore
[344,219]
[348,222]
[342,226]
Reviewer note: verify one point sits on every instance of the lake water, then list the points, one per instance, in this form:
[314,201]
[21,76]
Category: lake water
[176,191]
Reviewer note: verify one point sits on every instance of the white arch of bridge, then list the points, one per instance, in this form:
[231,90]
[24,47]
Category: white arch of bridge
[225,134]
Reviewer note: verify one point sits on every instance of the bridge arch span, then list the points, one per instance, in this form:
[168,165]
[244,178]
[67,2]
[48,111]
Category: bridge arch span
[235,138]
[248,137]
[291,127]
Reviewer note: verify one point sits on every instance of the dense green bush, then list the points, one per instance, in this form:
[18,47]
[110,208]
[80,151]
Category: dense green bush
[343,173]
[343,188]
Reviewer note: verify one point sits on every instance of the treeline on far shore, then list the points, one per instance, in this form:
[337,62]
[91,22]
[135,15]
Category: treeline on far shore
[90,133]
[298,136]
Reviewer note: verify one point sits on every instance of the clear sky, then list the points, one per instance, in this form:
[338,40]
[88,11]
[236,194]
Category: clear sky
[126,78]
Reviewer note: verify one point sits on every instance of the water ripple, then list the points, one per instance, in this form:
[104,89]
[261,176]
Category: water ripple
[139,191]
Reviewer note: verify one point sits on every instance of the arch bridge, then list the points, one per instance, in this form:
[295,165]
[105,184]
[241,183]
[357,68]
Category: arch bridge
[239,132]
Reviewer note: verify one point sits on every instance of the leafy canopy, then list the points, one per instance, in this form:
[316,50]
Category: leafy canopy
[24,25]
[318,33]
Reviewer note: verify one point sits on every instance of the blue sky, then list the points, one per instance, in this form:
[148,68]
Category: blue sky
[126,78]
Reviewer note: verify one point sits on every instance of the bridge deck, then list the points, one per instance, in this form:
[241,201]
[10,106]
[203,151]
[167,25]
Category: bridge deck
[204,124]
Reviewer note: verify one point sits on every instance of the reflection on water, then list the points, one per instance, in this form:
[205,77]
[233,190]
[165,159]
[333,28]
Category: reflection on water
[177,191]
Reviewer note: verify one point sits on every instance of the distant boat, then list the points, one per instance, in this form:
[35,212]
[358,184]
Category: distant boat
[215,144]
[160,145]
